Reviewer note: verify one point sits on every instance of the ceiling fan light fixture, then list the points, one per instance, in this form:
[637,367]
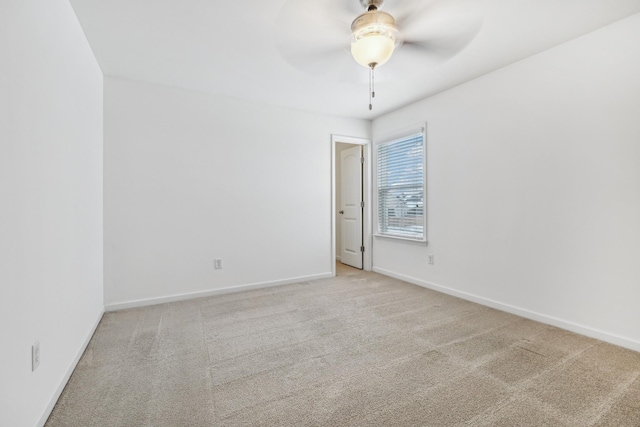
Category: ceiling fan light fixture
[373,38]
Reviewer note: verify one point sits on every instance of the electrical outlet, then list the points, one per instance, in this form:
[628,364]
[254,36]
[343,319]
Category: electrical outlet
[35,356]
[431,259]
[217,263]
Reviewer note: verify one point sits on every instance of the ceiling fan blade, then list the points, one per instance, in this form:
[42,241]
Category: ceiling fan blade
[440,20]
[314,36]
[436,33]
[442,48]
[407,13]
[435,51]
[417,56]
[313,20]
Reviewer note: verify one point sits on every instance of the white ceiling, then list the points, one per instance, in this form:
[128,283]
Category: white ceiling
[238,47]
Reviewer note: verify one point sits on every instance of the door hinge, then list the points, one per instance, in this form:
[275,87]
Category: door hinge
[361,248]
[362,204]
[362,160]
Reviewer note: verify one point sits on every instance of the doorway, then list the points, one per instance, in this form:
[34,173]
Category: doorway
[351,202]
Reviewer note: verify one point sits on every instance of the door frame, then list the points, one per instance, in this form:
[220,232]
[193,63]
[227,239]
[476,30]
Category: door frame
[367,239]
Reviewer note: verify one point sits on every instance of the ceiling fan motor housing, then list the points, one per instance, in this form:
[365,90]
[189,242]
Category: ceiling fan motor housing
[368,4]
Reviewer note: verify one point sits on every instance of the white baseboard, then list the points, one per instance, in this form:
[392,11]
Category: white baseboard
[192,295]
[542,318]
[67,375]
[339,259]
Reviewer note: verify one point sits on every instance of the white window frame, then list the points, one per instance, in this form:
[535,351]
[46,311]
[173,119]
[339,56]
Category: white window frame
[390,139]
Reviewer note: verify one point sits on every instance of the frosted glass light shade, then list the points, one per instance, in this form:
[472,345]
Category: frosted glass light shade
[373,38]
[372,49]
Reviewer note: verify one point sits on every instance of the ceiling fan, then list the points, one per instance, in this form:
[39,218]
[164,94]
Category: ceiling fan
[314,36]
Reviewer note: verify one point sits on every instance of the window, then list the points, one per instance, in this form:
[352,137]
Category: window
[401,188]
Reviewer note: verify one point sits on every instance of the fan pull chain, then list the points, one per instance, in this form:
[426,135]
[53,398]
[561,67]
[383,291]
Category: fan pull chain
[373,83]
[372,89]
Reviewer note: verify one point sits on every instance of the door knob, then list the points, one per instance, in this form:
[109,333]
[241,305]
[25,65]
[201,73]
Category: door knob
[341,212]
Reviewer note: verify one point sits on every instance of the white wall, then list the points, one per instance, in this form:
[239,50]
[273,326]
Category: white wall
[534,187]
[50,202]
[190,177]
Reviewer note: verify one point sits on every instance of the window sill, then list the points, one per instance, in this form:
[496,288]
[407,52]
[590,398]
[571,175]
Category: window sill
[403,239]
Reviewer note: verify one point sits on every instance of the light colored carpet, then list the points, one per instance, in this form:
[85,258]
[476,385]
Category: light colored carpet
[358,350]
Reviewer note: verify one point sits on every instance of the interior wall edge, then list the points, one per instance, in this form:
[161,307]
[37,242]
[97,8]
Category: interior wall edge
[522,312]
[67,375]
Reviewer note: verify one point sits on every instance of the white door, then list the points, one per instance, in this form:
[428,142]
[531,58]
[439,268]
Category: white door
[351,206]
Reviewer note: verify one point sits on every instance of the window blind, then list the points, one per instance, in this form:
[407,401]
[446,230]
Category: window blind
[401,177]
